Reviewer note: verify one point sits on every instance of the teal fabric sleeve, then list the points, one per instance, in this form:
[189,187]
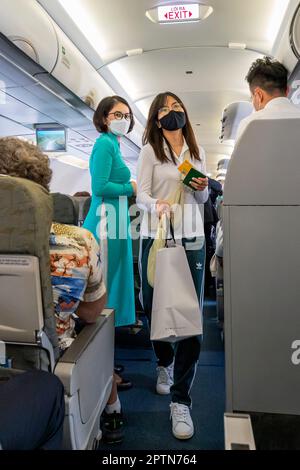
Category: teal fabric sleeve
[104,153]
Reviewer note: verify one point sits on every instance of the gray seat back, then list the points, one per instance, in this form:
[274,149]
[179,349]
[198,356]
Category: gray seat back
[64,209]
[86,207]
[21,300]
[26,217]
[83,205]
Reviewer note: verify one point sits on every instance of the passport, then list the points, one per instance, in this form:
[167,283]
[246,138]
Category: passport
[189,172]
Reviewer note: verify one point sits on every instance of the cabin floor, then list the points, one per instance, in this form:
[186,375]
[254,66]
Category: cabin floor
[148,426]
[147,423]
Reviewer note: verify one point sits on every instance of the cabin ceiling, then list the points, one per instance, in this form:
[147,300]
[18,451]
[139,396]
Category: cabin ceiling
[104,31]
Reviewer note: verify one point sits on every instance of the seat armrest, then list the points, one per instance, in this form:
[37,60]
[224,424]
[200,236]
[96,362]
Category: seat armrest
[86,352]
[79,345]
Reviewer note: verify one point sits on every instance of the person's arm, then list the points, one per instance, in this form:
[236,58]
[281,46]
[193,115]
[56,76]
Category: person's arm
[201,196]
[90,311]
[144,181]
[103,155]
[94,299]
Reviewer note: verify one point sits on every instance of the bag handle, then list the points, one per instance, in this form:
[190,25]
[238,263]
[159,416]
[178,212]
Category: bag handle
[171,226]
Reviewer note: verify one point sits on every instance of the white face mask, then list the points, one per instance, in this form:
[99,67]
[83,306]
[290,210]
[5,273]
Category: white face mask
[119,126]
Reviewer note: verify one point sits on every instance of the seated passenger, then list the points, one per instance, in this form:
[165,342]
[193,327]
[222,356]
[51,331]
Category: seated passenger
[76,273]
[268,82]
[34,422]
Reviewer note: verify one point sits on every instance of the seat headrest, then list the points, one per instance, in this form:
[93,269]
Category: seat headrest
[26,217]
[86,207]
[64,210]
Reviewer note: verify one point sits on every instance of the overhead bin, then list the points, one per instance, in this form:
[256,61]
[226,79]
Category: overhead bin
[56,65]
[35,33]
[27,25]
[77,74]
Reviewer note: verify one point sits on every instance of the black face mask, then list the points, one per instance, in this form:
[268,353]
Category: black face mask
[173,121]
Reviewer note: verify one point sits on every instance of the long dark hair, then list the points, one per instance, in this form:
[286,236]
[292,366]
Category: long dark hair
[104,107]
[154,135]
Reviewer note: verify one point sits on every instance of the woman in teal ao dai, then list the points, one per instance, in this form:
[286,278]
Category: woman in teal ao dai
[108,213]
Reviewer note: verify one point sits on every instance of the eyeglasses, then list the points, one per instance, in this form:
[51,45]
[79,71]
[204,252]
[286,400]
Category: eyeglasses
[174,107]
[118,115]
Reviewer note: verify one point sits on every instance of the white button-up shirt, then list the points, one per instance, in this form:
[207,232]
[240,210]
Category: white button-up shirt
[277,108]
[158,181]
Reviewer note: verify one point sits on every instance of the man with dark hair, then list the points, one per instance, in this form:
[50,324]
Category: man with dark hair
[268,82]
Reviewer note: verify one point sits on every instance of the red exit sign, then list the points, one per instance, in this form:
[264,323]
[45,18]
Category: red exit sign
[179,13]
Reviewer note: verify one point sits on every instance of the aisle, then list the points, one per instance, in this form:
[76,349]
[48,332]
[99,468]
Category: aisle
[147,414]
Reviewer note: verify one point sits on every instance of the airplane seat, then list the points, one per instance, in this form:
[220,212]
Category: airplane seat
[65,209]
[86,208]
[26,217]
[27,325]
[261,211]
[220,295]
[83,203]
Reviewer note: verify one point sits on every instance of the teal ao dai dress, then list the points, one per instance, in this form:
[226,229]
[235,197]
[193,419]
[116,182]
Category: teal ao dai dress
[108,213]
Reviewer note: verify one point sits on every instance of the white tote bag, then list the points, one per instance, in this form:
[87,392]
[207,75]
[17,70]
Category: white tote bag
[176,312]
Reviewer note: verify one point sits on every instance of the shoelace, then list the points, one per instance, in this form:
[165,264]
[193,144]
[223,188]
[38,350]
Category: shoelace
[180,413]
[163,376]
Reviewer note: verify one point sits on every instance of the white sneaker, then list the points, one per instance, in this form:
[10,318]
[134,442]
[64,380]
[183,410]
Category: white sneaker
[164,380]
[182,424]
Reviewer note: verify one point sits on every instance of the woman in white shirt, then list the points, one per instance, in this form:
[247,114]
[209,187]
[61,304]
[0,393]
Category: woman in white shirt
[168,141]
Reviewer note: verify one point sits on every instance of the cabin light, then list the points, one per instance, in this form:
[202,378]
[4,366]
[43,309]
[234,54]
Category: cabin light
[133,52]
[179,13]
[86,22]
[276,17]
[237,45]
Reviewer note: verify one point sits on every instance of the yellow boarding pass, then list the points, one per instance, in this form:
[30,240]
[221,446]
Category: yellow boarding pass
[185,167]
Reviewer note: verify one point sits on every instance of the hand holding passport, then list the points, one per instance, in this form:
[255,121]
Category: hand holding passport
[190,172]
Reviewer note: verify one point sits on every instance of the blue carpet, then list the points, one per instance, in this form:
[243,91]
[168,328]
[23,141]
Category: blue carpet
[147,414]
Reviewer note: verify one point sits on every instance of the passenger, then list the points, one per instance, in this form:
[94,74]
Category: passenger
[76,273]
[210,221]
[268,82]
[168,141]
[111,187]
[36,420]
